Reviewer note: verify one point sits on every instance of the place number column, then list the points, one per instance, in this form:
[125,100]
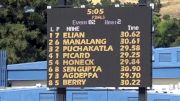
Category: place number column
[54,59]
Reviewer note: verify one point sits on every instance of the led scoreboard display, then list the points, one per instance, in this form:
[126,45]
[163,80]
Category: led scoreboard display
[99,47]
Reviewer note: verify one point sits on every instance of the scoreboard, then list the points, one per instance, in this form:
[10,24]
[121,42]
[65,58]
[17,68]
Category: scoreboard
[99,47]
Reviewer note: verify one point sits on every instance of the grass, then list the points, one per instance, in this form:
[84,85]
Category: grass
[170,7]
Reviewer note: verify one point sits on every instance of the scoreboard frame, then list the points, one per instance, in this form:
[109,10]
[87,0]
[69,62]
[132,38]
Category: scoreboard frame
[91,12]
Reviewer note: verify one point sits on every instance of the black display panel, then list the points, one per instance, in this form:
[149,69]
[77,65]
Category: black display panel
[99,47]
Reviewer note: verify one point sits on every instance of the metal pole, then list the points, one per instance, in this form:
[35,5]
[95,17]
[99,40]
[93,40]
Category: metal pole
[142,94]
[61,92]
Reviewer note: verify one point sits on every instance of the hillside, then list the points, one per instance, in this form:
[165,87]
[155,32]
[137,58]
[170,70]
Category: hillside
[171,7]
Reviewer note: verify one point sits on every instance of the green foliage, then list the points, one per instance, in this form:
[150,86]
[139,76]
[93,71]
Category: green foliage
[78,3]
[177,42]
[156,20]
[167,31]
[22,33]
[109,2]
[166,17]
[117,2]
[106,2]
[14,38]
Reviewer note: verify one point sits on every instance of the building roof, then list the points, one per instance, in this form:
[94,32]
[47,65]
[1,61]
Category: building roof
[28,66]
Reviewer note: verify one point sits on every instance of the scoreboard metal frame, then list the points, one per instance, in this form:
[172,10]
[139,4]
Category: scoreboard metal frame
[99,47]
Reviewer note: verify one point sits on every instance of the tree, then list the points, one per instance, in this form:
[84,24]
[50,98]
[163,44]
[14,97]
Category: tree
[117,2]
[106,2]
[78,3]
[23,29]
[167,32]
[176,43]
[109,2]
[156,20]
[166,17]
[14,38]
